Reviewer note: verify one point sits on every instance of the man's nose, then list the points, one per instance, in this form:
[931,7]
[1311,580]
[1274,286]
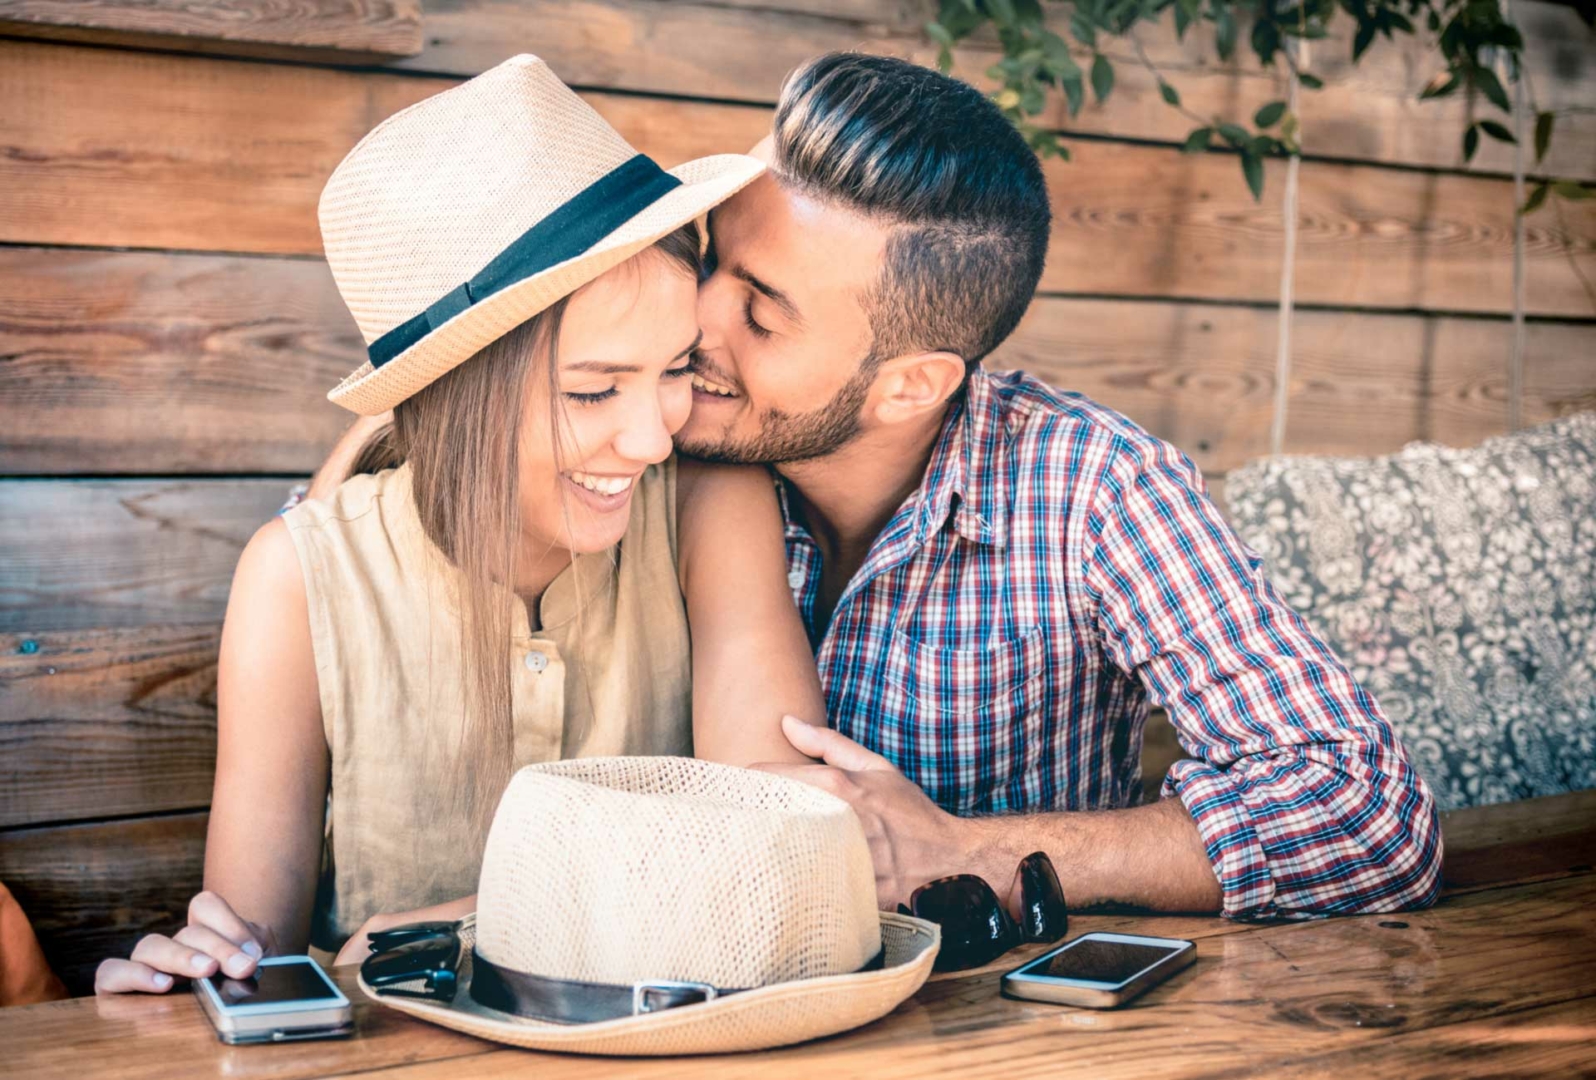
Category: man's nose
[712,310]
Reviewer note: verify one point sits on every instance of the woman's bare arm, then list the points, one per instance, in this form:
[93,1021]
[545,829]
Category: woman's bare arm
[263,849]
[751,658]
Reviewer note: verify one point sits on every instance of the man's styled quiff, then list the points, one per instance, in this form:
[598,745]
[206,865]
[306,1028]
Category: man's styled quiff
[938,160]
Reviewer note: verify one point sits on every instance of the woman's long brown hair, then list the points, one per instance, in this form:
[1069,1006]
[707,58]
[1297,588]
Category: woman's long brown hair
[460,436]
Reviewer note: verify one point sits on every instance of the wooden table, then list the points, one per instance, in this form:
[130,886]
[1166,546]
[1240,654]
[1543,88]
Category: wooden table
[1499,978]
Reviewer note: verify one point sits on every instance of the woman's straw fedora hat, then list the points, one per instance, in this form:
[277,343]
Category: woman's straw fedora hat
[660,905]
[461,217]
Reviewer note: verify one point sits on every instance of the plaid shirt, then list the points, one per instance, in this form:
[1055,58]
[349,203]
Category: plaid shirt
[1058,569]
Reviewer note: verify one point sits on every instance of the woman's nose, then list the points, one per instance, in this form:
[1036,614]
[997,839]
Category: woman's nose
[644,436]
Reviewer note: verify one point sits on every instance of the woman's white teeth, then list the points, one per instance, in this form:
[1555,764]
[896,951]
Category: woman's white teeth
[701,383]
[603,485]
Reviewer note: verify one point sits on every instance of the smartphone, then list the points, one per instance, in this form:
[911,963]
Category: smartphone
[288,998]
[1099,971]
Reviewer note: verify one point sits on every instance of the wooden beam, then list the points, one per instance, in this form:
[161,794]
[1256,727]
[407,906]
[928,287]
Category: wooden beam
[90,554]
[124,149]
[334,31]
[106,723]
[1203,376]
[742,49]
[92,891]
[143,362]
[133,362]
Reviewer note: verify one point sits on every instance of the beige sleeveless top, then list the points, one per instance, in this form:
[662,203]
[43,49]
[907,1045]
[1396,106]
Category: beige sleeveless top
[609,673]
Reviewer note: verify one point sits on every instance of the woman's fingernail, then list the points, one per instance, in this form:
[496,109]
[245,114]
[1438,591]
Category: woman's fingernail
[253,949]
[199,963]
[237,964]
[162,981]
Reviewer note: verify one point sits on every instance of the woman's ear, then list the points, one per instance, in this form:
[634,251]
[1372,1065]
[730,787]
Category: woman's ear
[910,386]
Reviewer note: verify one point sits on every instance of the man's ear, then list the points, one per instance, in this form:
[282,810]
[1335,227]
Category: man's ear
[910,386]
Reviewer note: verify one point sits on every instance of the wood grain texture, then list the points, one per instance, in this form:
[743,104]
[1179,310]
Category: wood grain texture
[350,31]
[1530,840]
[107,723]
[149,362]
[140,362]
[1297,994]
[742,50]
[174,152]
[91,554]
[1203,376]
[92,891]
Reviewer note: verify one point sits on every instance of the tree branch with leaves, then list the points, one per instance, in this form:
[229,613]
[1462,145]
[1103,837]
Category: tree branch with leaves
[1472,37]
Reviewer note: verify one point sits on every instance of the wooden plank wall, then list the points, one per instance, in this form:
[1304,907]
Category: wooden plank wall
[167,329]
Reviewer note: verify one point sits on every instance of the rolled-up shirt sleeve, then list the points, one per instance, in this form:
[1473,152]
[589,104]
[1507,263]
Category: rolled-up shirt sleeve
[1304,798]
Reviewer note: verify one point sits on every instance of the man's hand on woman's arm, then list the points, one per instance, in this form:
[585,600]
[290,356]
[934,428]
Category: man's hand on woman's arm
[341,460]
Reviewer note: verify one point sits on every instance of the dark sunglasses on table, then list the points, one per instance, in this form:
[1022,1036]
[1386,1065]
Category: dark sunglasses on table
[976,925]
[426,953]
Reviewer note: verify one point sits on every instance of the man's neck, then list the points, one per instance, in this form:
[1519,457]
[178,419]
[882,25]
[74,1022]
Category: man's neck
[845,499]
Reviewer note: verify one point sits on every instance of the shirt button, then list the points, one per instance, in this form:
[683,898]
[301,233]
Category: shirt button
[536,662]
[795,579]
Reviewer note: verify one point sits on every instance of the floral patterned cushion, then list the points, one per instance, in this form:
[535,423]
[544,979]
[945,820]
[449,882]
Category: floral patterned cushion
[1460,587]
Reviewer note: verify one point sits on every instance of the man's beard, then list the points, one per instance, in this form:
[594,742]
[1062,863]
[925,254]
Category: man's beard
[787,437]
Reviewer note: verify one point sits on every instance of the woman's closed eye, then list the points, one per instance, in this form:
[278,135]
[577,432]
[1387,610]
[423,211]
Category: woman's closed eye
[593,397]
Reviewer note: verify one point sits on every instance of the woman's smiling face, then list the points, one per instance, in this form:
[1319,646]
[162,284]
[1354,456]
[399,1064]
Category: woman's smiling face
[623,390]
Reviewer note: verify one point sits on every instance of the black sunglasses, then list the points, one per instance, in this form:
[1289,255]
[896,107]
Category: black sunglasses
[977,927]
[425,953]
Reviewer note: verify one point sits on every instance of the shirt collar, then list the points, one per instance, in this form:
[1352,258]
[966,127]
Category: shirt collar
[964,478]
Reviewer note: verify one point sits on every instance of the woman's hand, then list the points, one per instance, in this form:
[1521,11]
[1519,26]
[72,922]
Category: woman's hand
[358,947]
[215,940]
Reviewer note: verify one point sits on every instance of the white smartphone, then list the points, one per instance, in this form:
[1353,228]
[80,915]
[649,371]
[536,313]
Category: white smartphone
[1099,970]
[288,998]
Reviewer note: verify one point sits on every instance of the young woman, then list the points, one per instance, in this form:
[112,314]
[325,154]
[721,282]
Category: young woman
[518,586]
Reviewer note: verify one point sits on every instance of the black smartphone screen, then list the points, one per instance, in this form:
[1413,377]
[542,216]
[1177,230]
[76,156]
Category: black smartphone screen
[1100,961]
[274,984]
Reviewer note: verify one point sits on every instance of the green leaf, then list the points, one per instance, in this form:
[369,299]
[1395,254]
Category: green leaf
[1252,169]
[1032,99]
[1497,131]
[1491,87]
[1056,57]
[945,61]
[1363,39]
[1102,77]
[1265,41]
[1312,82]
[1183,20]
[1234,134]
[1573,190]
[1197,141]
[1074,94]
[1543,134]
[1471,142]
[1536,197]
[1270,114]
[939,34]
[1170,94]
[1443,84]
[1082,28]
[1225,33]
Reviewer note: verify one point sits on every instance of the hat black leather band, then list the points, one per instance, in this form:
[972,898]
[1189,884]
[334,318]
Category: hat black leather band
[567,1001]
[581,222]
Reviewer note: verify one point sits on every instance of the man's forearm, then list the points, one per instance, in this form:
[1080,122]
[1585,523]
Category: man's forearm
[1149,856]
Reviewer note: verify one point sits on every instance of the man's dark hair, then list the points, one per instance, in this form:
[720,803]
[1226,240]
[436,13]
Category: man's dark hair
[936,158]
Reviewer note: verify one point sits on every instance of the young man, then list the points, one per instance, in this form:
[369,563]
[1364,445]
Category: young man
[997,577]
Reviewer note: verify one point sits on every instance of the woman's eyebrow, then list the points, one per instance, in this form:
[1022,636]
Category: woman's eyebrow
[603,367]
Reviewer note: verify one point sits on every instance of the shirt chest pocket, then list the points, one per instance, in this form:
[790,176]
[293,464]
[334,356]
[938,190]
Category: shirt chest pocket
[961,715]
